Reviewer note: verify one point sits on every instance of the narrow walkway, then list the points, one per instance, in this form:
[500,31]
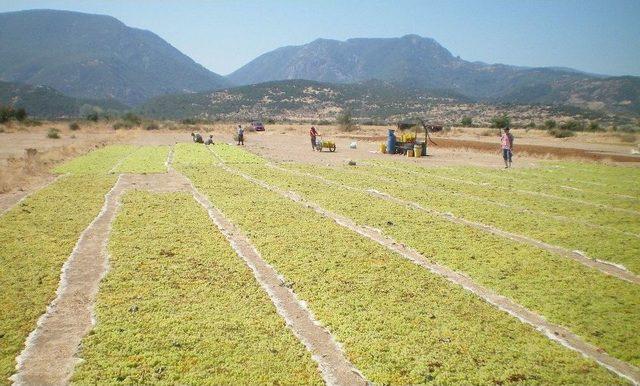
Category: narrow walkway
[333,363]
[49,354]
[523,191]
[335,367]
[552,331]
[473,197]
[603,266]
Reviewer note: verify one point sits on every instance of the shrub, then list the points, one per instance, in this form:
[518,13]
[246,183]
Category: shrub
[53,133]
[152,126]
[5,114]
[573,125]
[561,133]
[189,121]
[594,126]
[531,125]
[93,116]
[345,121]
[20,114]
[122,125]
[500,121]
[270,121]
[466,122]
[550,124]
[73,126]
[132,119]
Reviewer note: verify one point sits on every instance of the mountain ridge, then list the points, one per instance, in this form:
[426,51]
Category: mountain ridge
[416,62]
[95,56]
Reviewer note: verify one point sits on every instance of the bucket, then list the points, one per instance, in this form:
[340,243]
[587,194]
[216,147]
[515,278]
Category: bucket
[383,148]
[417,150]
[409,153]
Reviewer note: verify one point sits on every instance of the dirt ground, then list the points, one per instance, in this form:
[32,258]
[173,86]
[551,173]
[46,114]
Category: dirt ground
[23,170]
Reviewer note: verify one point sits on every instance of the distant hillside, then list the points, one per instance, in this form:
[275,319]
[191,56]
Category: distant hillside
[94,56]
[416,62]
[46,102]
[298,98]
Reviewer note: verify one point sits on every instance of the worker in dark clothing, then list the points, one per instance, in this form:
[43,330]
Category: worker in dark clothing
[240,135]
[209,140]
[197,138]
[313,134]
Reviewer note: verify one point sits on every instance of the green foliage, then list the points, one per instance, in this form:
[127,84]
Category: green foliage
[37,237]
[550,124]
[594,126]
[132,119]
[500,121]
[562,133]
[466,122]
[93,116]
[73,126]
[406,336]
[182,308]
[345,120]
[573,125]
[7,113]
[189,121]
[53,133]
[20,114]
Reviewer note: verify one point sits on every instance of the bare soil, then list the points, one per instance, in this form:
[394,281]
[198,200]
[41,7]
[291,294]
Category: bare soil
[23,171]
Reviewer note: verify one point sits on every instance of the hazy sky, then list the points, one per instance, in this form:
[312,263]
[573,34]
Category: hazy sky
[590,35]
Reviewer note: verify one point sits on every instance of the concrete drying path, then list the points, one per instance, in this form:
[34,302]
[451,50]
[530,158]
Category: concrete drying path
[602,266]
[333,363]
[473,197]
[551,330]
[49,356]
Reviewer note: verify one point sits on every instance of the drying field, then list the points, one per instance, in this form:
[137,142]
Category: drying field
[189,264]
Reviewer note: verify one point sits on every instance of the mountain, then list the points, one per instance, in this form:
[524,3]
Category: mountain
[95,56]
[298,98]
[416,62]
[46,102]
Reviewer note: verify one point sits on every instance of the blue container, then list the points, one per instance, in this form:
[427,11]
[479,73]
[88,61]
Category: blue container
[391,142]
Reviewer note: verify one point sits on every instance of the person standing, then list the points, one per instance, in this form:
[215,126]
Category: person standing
[240,135]
[507,147]
[313,133]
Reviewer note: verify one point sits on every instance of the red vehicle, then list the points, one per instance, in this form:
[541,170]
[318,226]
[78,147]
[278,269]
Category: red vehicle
[257,126]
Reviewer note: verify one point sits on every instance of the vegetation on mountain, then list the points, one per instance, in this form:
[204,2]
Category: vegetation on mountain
[95,56]
[45,102]
[412,61]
